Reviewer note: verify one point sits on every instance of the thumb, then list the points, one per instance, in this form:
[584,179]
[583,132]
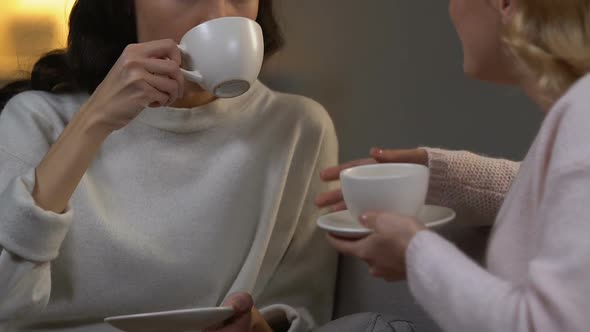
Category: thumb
[241,302]
[369,220]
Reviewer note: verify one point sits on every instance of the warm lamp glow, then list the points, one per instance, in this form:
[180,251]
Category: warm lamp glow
[29,28]
[42,5]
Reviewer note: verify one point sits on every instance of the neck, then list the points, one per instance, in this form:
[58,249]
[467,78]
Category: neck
[194,96]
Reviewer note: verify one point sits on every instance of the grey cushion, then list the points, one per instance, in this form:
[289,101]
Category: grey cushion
[368,322]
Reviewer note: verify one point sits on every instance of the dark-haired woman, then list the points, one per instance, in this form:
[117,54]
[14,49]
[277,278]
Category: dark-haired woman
[125,189]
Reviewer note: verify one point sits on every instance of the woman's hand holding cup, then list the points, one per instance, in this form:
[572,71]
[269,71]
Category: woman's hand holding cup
[334,199]
[145,75]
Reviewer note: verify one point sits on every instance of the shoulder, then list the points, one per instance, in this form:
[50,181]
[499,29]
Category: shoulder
[305,112]
[576,100]
[32,121]
[573,108]
[567,126]
[44,108]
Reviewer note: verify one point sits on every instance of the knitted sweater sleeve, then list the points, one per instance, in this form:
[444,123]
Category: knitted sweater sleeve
[474,186]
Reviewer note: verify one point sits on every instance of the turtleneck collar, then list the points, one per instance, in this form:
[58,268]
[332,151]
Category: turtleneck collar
[188,120]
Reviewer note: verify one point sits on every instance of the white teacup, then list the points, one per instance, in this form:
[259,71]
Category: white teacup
[398,188]
[224,56]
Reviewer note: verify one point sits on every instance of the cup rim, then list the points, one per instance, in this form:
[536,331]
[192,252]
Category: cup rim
[347,173]
[183,39]
[224,18]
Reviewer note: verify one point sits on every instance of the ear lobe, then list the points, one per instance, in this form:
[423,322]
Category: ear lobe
[507,8]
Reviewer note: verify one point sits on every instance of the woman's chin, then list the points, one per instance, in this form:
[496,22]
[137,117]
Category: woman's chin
[473,71]
[491,71]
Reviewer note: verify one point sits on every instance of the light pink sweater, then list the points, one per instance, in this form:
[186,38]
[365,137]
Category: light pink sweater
[537,276]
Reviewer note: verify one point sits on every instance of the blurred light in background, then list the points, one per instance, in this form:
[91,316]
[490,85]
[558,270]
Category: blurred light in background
[29,28]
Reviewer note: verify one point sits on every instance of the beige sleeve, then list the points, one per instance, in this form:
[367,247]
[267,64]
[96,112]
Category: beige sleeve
[474,186]
[302,287]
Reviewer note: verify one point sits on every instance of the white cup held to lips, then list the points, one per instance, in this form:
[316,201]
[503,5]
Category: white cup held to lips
[224,56]
[397,188]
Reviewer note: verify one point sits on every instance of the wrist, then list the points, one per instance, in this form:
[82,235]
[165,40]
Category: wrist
[90,124]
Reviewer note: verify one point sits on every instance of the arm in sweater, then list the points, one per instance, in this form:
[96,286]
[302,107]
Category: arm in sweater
[30,237]
[42,165]
[462,296]
[302,286]
[474,186]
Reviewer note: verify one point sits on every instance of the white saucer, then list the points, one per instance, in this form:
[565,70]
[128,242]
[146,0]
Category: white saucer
[171,321]
[342,224]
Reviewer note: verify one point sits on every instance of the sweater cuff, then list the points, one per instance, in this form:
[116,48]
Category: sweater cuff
[27,230]
[438,163]
[295,320]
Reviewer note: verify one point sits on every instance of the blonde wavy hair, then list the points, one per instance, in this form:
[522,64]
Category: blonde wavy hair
[551,39]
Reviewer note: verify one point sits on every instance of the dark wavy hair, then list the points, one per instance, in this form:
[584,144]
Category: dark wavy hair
[94,47]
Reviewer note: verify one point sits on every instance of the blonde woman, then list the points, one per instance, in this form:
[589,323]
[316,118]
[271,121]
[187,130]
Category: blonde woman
[537,276]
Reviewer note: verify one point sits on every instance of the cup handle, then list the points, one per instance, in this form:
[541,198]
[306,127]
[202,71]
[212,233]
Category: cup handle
[194,76]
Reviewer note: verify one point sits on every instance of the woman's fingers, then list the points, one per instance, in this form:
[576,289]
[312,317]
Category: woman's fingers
[341,206]
[412,156]
[149,96]
[242,304]
[165,85]
[333,173]
[165,48]
[166,67]
[329,198]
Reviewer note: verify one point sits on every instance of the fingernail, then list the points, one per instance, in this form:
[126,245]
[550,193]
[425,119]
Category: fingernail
[241,305]
[364,218]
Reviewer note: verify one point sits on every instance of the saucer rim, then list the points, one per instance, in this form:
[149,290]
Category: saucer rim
[365,231]
[212,310]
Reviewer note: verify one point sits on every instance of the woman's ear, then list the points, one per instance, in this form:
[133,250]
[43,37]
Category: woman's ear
[507,9]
